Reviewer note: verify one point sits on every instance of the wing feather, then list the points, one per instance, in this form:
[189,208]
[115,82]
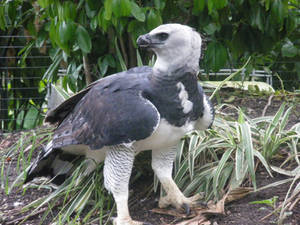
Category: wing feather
[112,112]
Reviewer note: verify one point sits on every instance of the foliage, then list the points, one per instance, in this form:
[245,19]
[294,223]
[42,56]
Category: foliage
[221,159]
[89,37]
[79,28]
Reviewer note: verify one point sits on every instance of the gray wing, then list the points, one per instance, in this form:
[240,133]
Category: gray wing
[58,114]
[61,111]
[111,113]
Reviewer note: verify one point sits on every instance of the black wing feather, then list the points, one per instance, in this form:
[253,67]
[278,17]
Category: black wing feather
[112,112]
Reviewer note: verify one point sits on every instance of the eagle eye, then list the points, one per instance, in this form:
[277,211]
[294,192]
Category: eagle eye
[162,36]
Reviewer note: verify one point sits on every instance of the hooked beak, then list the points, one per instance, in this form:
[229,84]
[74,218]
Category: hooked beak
[144,41]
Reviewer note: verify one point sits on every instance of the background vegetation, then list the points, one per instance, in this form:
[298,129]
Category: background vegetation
[94,38]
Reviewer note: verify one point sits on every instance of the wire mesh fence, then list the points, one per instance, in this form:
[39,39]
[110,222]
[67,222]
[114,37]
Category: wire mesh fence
[22,91]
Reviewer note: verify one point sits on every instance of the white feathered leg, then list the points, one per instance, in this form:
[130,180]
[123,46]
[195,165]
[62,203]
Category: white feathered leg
[162,164]
[117,170]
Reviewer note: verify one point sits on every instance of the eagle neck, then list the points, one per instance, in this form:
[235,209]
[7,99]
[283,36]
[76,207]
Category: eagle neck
[164,93]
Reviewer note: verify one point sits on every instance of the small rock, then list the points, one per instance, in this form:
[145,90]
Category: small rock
[5,206]
[16,204]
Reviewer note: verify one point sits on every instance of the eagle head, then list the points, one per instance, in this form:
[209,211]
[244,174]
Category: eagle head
[175,46]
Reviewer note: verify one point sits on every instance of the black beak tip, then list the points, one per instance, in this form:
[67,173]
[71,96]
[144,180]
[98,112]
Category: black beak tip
[143,41]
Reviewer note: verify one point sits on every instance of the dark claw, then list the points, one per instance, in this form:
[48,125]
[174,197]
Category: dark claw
[202,204]
[146,223]
[186,208]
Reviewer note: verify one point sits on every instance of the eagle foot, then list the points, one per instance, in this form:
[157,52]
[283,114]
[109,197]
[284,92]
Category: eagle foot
[128,221]
[181,202]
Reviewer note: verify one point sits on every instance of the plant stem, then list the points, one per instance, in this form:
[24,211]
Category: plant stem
[87,70]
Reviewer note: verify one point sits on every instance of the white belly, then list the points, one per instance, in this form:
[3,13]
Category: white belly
[166,135]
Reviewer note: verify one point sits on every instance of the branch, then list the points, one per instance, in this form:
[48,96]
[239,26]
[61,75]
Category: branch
[87,70]
[267,105]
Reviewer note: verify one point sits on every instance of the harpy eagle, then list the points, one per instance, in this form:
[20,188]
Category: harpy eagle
[144,108]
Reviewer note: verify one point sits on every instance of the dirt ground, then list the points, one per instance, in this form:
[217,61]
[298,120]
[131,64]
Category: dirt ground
[240,212]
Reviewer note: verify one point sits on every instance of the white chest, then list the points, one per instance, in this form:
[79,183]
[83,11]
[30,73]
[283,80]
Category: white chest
[166,135]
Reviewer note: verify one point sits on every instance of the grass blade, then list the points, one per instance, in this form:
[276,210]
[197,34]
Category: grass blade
[119,55]
[219,169]
[247,145]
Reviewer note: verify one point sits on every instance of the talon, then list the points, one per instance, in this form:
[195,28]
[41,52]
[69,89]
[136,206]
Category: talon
[186,208]
[201,204]
[147,223]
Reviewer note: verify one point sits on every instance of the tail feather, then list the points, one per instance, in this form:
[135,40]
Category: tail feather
[53,163]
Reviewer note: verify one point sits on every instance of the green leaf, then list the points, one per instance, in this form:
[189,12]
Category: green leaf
[219,4]
[103,66]
[2,18]
[108,9]
[102,22]
[221,165]
[52,33]
[89,9]
[69,10]
[270,202]
[153,19]
[199,5]
[31,118]
[119,55]
[54,66]
[12,10]
[66,31]
[94,23]
[211,28]
[239,2]
[267,4]
[247,145]
[256,17]
[160,4]
[279,11]
[216,56]
[43,3]
[239,163]
[83,39]
[137,12]
[289,49]
[105,62]
[192,151]
[263,161]
[210,6]
[52,10]
[121,8]
[291,23]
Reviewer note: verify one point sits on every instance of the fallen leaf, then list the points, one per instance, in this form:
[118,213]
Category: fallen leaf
[198,220]
[173,212]
[238,193]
